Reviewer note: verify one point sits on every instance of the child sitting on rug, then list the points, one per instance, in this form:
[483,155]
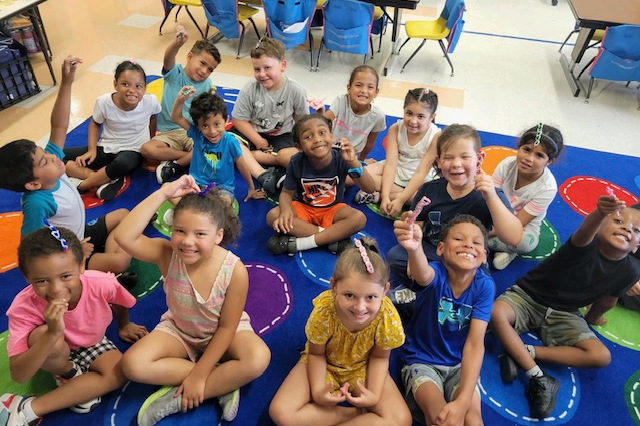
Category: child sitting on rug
[411,146]
[350,334]
[204,346]
[47,193]
[122,121]
[631,299]
[530,187]
[57,324]
[443,354]
[172,146]
[592,267]
[311,211]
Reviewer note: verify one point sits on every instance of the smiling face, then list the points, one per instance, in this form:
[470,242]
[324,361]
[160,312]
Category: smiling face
[212,127]
[619,235]
[130,88]
[315,140]
[200,66]
[459,163]
[47,169]
[532,160]
[194,236]
[463,248]
[268,72]
[417,118]
[56,277]
[358,300]
[362,91]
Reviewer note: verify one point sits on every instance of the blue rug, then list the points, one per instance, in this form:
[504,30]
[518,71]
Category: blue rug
[281,290]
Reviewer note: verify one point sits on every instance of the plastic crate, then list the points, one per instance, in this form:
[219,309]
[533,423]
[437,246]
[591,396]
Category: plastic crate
[17,82]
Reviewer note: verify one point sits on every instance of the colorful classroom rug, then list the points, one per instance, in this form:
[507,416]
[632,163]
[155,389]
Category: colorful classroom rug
[281,290]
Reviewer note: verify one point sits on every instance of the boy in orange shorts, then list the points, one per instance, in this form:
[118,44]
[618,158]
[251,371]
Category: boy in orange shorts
[311,211]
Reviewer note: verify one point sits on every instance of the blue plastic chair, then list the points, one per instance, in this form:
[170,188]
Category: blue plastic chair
[448,26]
[347,27]
[289,21]
[227,17]
[618,57]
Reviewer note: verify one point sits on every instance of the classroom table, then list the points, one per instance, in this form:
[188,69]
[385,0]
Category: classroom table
[11,8]
[592,15]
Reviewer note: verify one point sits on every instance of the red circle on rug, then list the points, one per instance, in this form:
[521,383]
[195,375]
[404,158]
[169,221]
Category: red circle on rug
[10,224]
[582,193]
[91,200]
[494,155]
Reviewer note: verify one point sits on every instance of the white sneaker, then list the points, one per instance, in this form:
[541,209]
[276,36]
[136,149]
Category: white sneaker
[167,218]
[230,404]
[502,259]
[84,407]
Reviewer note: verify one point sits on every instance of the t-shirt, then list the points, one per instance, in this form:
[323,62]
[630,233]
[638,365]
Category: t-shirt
[574,277]
[534,198]
[439,327]
[317,188]
[84,326]
[124,130]
[174,80]
[355,127]
[61,205]
[213,162]
[410,156]
[273,113]
[443,208]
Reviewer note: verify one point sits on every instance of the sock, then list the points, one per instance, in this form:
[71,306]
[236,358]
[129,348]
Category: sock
[305,243]
[27,411]
[534,372]
[532,350]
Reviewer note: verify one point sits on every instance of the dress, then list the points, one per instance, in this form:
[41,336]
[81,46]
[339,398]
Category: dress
[439,327]
[355,127]
[190,318]
[84,326]
[409,157]
[273,113]
[62,204]
[174,80]
[214,162]
[348,353]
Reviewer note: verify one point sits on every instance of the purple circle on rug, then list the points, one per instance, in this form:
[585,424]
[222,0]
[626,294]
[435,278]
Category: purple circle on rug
[267,283]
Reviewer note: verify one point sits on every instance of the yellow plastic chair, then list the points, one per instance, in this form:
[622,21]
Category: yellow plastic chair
[227,16]
[169,5]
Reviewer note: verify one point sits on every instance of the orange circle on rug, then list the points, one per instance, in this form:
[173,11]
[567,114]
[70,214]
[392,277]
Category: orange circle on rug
[493,156]
[10,224]
[91,200]
[582,192]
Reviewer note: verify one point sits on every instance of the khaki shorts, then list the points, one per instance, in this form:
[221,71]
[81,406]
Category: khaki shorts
[176,139]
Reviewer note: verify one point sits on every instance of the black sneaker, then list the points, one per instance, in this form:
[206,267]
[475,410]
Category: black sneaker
[404,299]
[541,394]
[128,280]
[108,191]
[508,368]
[267,181]
[280,244]
[339,246]
[166,171]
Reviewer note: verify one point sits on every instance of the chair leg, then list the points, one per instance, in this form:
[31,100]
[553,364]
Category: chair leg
[566,40]
[371,45]
[444,50]
[163,21]
[319,53]
[589,90]
[255,28]
[175,17]
[413,54]
[241,40]
[311,53]
[585,67]
[405,42]
[194,21]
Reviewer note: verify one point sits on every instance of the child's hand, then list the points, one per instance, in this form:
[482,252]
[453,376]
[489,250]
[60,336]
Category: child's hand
[327,398]
[192,390]
[484,185]
[180,187]
[365,398]
[392,208]
[409,240]
[186,92]
[85,159]
[347,152]
[69,68]
[256,194]
[608,204]
[87,249]
[316,104]
[54,316]
[451,414]
[284,223]
[132,332]
[181,35]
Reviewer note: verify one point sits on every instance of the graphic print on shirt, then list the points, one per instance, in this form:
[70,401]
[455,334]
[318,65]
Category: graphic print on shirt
[433,234]
[342,124]
[460,317]
[319,192]
[213,158]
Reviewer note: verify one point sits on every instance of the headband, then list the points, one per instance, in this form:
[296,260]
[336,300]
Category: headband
[56,234]
[364,255]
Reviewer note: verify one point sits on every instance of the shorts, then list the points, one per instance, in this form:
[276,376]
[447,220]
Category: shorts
[97,230]
[319,216]
[339,378]
[276,142]
[84,357]
[176,139]
[555,328]
[221,191]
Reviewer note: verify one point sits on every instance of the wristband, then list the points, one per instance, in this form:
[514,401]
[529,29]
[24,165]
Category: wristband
[355,172]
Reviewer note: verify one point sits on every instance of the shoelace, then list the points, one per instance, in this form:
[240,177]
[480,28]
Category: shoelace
[535,388]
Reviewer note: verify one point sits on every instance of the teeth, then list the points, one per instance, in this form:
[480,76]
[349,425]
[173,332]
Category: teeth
[467,255]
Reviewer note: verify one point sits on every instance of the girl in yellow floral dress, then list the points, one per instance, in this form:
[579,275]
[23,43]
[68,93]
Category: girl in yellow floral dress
[350,333]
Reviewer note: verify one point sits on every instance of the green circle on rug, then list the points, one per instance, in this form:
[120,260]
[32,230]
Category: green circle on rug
[149,278]
[41,383]
[621,327]
[548,244]
[632,396]
[376,209]
[165,229]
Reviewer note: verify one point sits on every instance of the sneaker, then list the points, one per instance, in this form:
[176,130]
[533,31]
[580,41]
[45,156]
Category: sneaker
[404,300]
[339,246]
[159,405]
[267,181]
[230,404]
[502,259]
[541,394]
[108,191]
[280,244]
[82,408]
[366,198]
[10,410]
[166,170]
[128,280]
[508,368]
[167,217]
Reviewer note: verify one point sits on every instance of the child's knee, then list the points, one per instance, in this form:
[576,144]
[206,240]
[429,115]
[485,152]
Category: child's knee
[272,215]
[258,360]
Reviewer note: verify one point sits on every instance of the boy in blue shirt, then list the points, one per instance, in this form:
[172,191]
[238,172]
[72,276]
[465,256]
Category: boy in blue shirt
[445,337]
